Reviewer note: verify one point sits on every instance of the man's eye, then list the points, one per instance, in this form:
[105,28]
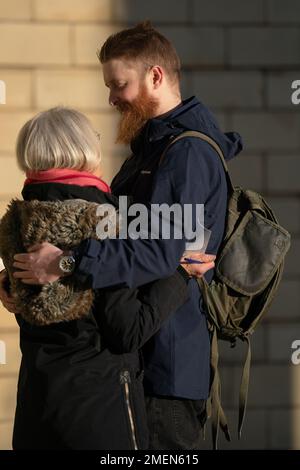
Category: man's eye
[120,86]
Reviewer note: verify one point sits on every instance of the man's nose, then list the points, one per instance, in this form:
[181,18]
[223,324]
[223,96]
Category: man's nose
[113,100]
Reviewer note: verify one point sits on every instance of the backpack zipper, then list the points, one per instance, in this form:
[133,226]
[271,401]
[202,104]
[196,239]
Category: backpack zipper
[125,380]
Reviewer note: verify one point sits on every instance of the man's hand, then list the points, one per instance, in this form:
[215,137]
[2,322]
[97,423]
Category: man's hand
[6,299]
[40,265]
[198,270]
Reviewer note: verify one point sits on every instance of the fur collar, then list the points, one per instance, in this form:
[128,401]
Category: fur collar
[64,224]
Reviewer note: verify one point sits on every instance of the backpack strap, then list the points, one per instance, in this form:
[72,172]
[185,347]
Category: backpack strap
[210,141]
[244,387]
[214,407]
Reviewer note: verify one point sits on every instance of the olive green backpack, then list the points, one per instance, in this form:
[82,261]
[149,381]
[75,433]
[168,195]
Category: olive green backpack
[248,270]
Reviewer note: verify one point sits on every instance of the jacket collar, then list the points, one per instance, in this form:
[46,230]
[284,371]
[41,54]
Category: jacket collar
[190,115]
[61,192]
[162,126]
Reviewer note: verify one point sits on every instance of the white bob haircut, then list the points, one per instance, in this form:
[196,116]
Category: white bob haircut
[58,138]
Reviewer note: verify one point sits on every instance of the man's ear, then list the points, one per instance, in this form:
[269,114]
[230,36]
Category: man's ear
[157,75]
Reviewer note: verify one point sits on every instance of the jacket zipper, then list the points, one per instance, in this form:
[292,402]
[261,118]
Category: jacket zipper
[125,380]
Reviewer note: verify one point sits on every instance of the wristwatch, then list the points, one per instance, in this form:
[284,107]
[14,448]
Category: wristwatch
[67,264]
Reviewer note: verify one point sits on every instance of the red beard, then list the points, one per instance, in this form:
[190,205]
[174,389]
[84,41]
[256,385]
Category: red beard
[134,116]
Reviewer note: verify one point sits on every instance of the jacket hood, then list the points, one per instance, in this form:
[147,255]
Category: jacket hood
[190,115]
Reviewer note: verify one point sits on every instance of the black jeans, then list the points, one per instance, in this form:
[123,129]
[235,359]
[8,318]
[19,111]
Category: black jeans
[175,423]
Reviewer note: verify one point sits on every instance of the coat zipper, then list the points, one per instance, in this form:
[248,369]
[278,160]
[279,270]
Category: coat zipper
[125,380]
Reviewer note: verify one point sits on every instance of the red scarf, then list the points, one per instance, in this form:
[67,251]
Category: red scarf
[66,176]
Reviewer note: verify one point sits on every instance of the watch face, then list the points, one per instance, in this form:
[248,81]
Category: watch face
[67,264]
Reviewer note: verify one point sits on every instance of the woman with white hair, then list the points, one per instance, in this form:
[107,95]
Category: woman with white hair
[80,381]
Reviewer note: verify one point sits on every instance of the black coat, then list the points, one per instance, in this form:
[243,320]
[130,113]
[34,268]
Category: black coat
[80,383]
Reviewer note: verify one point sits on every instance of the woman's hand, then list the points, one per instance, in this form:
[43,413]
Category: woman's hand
[197,269]
[6,299]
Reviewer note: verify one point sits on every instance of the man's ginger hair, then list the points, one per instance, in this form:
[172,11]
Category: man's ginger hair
[143,43]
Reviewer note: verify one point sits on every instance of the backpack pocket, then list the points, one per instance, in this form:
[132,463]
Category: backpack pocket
[259,245]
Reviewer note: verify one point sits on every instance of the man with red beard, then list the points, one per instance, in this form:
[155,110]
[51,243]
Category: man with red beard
[142,71]
[134,115]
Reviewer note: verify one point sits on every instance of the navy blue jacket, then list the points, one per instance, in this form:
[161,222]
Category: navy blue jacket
[177,357]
